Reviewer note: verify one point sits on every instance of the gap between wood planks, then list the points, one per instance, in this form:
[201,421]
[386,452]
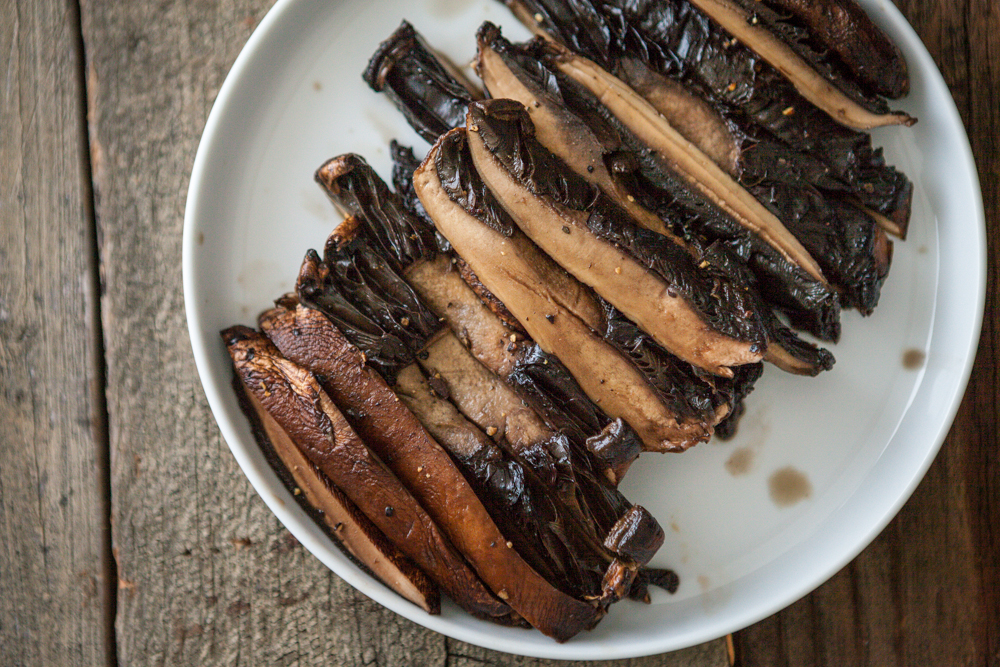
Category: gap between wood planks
[95,294]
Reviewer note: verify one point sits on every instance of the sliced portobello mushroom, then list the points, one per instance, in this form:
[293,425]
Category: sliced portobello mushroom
[498,129]
[843,27]
[676,40]
[555,543]
[807,81]
[487,336]
[332,509]
[509,267]
[517,72]
[683,157]
[490,403]
[556,126]
[297,402]
[421,84]
[502,414]
[697,120]
[540,378]
[754,161]
[425,468]
[838,236]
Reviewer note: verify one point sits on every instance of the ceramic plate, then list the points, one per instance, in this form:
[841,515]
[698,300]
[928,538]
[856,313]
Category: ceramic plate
[819,466]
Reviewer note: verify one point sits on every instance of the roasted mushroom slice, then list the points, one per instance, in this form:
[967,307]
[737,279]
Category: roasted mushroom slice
[683,157]
[331,508]
[688,394]
[539,378]
[842,27]
[553,103]
[515,270]
[807,81]
[556,126]
[508,353]
[838,235]
[676,40]
[753,158]
[401,442]
[499,142]
[293,397]
[554,542]
[503,415]
[419,83]
[698,121]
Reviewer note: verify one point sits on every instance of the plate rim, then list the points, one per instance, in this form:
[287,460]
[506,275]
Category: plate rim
[301,526]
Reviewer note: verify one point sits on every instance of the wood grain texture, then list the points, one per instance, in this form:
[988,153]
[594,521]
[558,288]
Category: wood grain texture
[207,575]
[710,654]
[927,591]
[51,508]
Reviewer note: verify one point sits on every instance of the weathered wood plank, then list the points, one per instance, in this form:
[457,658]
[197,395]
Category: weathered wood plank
[207,575]
[709,654]
[927,591]
[52,595]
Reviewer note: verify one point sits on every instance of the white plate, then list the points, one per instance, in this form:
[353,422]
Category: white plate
[863,435]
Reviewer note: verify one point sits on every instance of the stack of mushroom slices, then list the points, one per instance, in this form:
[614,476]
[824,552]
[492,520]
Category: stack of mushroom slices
[594,259]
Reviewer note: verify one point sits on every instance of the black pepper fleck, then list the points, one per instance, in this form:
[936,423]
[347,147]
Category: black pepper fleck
[389,511]
[550,318]
[565,229]
[438,386]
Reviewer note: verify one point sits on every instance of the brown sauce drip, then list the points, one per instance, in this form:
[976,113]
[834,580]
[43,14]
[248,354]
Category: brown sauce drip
[740,462]
[913,359]
[788,486]
[446,7]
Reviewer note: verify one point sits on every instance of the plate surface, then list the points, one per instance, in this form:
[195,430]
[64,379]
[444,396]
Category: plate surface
[819,466]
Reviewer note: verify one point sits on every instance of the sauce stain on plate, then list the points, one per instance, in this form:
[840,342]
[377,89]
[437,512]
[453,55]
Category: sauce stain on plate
[913,359]
[446,8]
[789,486]
[740,462]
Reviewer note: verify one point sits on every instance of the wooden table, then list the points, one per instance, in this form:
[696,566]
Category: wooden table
[129,534]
